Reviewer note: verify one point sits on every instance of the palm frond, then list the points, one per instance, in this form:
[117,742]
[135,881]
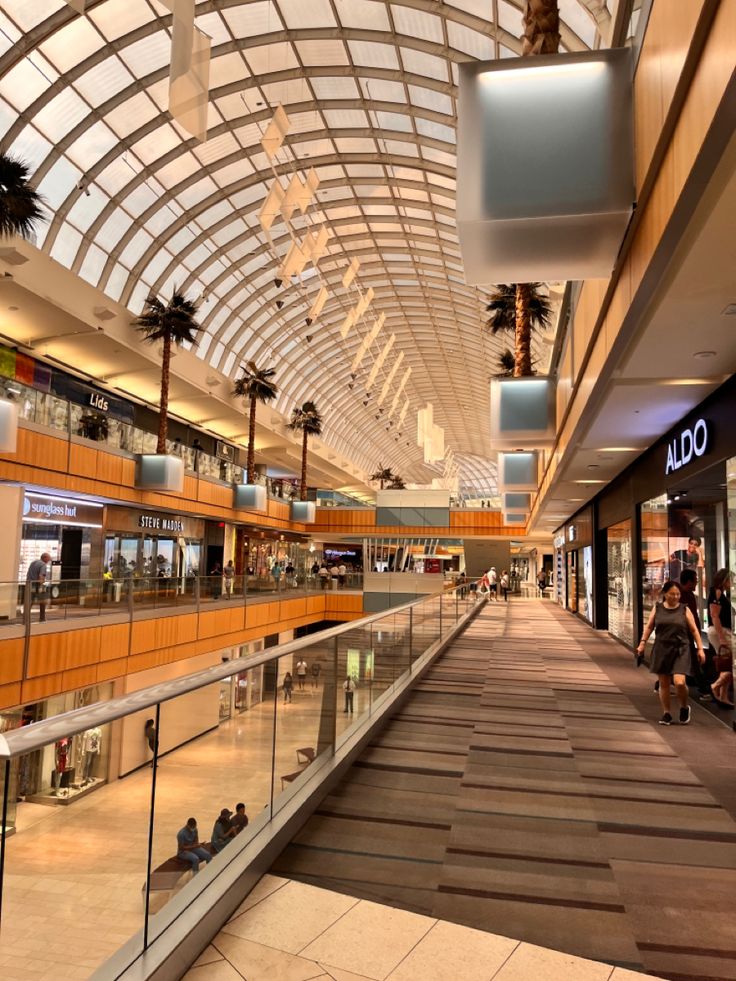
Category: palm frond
[306,418]
[255,382]
[20,204]
[175,319]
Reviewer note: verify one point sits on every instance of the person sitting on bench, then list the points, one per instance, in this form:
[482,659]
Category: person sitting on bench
[189,847]
[239,820]
[222,833]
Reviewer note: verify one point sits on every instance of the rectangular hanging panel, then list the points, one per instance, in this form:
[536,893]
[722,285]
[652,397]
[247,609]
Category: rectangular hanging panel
[189,80]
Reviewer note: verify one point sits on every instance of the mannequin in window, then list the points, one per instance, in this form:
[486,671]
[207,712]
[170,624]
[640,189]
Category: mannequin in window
[91,744]
[62,758]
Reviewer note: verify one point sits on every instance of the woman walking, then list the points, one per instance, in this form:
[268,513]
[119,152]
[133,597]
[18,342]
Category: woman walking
[720,636]
[675,626]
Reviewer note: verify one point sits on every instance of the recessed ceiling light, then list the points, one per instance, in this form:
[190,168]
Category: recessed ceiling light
[593,466]
[730,310]
[13,308]
[705,354]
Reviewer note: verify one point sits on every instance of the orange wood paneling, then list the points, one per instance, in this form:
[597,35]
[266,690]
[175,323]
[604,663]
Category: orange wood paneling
[114,640]
[10,695]
[11,660]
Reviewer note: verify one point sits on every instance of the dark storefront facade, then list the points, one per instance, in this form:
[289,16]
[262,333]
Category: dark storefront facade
[674,508]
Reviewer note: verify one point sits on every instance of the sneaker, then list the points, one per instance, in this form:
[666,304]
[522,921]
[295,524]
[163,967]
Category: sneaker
[684,715]
[666,719]
[705,698]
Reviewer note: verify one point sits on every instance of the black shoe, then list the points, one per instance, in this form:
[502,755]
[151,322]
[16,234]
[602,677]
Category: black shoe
[666,719]
[639,658]
[656,686]
[685,715]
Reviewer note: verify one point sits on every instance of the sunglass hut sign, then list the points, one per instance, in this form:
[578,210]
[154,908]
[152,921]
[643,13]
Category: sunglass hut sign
[687,446]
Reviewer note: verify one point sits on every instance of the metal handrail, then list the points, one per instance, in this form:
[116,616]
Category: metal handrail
[18,742]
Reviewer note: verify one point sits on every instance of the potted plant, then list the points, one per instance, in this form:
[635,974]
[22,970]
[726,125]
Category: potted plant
[305,419]
[256,385]
[171,323]
[20,211]
[522,403]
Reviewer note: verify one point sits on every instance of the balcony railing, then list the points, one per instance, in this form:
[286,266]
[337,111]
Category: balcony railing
[30,604]
[117,861]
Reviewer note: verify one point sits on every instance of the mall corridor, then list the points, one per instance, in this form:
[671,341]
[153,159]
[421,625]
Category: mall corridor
[525,789]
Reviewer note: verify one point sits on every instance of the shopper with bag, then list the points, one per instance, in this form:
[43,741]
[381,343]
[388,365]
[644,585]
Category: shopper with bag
[720,636]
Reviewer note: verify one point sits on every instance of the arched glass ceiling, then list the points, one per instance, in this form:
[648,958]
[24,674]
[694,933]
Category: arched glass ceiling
[370,89]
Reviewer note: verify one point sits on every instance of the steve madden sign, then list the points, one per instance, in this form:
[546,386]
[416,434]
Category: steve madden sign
[690,443]
[158,523]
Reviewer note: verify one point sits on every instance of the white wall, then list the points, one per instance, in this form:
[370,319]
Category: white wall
[403,582]
[181,719]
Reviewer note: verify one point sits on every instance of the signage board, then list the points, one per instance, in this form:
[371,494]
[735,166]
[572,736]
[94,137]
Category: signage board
[159,522]
[689,444]
[47,509]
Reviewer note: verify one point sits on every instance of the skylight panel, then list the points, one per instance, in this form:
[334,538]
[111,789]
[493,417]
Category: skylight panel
[31,146]
[59,182]
[158,266]
[113,230]
[374,55]
[394,147]
[104,81]
[419,63]
[87,208]
[416,23]
[23,84]
[316,13]
[429,99]
[436,131]
[92,146]
[381,90]
[396,121]
[355,145]
[133,251]
[147,55]
[470,42]
[213,26]
[66,246]
[229,68]
[363,14]
[156,144]
[253,19]
[346,118]
[269,58]
[117,19]
[131,114]
[61,114]
[93,264]
[322,52]
[70,45]
[510,18]
[189,197]
[233,173]
[579,20]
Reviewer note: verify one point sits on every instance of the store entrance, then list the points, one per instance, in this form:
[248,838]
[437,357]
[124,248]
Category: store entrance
[71,553]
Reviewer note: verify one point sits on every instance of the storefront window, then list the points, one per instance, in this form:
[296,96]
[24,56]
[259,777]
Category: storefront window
[585,582]
[620,582]
[572,582]
[654,552]
[66,770]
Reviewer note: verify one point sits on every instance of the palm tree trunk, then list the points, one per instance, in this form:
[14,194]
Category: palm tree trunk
[523,333]
[303,488]
[163,413]
[251,464]
[541,27]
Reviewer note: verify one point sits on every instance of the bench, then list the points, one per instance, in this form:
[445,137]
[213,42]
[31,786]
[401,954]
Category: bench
[304,757]
[166,875]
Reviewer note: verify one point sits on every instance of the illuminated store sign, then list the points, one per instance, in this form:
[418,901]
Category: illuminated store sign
[689,444]
[157,523]
[48,510]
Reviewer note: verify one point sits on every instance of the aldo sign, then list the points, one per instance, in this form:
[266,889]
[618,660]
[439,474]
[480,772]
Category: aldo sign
[689,444]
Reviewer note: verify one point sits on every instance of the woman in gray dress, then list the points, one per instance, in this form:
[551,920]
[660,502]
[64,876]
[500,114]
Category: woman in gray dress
[671,657]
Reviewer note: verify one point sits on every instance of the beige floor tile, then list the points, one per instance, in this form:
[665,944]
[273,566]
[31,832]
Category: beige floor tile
[257,962]
[528,961]
[336,974]
[369,939]
[208,956]
[449,950]
[264,887]
[291,918]
[220,971]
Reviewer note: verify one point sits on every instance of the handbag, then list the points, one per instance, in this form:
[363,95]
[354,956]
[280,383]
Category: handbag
[723,661]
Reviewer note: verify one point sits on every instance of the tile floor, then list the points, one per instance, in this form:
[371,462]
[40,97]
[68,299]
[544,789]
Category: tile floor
[290,931]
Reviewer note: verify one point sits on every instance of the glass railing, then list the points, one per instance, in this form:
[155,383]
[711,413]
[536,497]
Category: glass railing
[31,604]
[52,412]
[127,861]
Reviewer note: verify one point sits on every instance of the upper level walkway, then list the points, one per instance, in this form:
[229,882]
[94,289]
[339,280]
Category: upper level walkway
[525,789]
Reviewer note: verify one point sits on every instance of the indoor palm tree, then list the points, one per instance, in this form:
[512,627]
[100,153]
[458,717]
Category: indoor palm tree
[171,323]
[20,204]
[522,309]
[397,483]
[384,475]
[306,420]
[254,384]
[506,363]
[541,27]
